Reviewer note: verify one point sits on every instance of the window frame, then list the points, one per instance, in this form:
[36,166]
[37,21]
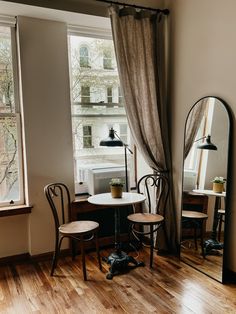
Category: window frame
[16,114]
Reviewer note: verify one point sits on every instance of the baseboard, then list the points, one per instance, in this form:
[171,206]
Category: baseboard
[26,257]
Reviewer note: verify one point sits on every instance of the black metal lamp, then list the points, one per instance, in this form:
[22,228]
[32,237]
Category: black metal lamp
[207,144]
[113,140]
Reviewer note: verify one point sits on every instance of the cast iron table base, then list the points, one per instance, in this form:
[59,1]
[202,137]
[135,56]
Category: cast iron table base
[119,262]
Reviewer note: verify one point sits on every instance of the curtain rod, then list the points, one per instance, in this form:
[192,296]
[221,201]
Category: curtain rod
[164,11]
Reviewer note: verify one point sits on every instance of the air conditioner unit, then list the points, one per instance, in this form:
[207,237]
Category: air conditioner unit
[190,178]
[98,179]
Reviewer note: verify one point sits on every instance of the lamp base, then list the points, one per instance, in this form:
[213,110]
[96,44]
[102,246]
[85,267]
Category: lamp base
[211,245]
[119,262]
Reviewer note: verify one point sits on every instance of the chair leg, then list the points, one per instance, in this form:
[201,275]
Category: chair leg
[202,240]
[83,257]
[73,248]
[56,254]
[220,227]
[97,250]
[151,245]
[195,236]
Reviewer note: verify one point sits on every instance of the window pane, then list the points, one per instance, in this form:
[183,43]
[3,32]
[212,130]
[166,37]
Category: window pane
[9,168]
[91,121]
[7,103]
[84,57]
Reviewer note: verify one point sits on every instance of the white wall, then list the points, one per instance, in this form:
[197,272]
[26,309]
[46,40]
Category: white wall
[203,50]
[46,110]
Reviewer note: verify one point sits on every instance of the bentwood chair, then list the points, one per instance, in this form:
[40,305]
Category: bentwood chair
[58,197]
[195,220]
[146,224]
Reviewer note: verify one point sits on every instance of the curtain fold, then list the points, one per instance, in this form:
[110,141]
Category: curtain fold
[193,123]
[139,46]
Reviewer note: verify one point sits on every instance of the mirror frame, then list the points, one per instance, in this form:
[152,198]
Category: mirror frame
[226,273]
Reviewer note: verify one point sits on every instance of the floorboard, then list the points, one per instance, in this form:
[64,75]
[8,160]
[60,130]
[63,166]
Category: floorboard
[170,287]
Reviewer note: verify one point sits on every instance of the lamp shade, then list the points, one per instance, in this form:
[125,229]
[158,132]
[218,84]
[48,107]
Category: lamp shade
[207,144]
[111,141]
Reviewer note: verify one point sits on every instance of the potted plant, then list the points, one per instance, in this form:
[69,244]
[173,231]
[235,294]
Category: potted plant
[218,184]
[116,185]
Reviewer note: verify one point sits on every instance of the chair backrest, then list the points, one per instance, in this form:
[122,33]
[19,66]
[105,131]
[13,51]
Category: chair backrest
[58,197]
[156,189]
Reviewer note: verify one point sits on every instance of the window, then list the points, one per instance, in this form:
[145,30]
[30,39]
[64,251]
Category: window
[11,174]
[120,97]
[87,136]
[109,94]
[91,122]
[107,59]
[85,94]
[84,57]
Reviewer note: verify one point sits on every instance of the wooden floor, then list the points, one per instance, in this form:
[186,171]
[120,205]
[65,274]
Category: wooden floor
[170,287]
[212,264]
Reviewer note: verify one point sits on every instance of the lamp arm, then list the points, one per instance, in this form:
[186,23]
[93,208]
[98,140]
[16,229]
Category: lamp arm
[200,139]
[125,145]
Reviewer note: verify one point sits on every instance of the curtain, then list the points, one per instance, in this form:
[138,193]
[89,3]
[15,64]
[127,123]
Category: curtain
[193,123]
[139,46]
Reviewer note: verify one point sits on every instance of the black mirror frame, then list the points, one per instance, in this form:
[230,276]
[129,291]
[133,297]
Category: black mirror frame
[227,275]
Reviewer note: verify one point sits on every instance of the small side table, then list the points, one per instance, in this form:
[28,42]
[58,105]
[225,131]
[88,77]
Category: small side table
[118,260]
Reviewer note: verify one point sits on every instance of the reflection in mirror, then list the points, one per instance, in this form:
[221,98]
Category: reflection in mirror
[205,186]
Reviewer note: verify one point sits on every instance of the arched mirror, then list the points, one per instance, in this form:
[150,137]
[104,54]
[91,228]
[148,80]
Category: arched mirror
[205,185]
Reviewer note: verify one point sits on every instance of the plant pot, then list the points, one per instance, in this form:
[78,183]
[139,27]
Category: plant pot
[218,187]
[116,191]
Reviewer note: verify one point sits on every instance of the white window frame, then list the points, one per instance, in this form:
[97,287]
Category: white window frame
[11,22]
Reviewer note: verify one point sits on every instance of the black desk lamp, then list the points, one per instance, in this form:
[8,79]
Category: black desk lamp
[207,144]
[114,140]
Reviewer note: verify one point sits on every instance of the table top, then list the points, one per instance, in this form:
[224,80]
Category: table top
[210,192]
[127,198]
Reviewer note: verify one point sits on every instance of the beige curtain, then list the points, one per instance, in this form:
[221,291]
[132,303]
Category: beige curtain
[138,39]
[193,123]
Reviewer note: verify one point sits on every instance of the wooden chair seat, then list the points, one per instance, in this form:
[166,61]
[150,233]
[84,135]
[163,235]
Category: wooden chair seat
[78,228]
[145,218]
[193,214]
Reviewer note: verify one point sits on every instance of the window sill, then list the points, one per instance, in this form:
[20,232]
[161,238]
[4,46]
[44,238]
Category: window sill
[15,210]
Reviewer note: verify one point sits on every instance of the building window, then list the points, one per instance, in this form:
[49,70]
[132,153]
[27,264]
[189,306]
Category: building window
[107,59]
[11,174]
[84,57]
[87,136]
[120,96]
[124,133]
[92,113]
[85,94]
[109,94]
